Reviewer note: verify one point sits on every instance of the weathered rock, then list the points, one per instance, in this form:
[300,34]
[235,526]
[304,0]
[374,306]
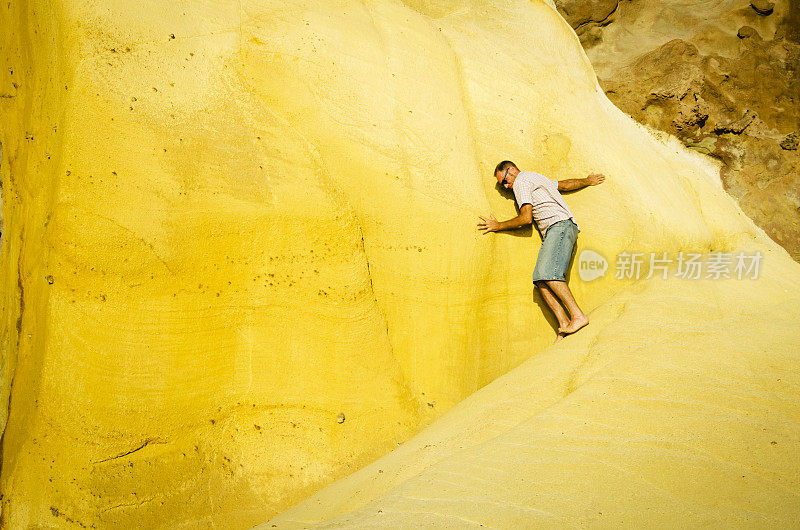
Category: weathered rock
[790,141]
[588,18]
[745,32]
[738,126]
[696,75]
[692,111]
[581,14]
[762,7]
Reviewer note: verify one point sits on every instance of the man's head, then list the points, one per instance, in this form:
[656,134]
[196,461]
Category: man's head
[505,173]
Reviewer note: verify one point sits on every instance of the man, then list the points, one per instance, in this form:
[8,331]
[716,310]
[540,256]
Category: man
[539,200]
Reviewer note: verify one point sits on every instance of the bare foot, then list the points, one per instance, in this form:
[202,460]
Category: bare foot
[561,325]
[574,325]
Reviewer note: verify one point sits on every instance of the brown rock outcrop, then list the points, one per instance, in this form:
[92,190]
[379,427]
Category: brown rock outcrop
[725,82]
[588,18]
[790,142]
[745,32]
[762,7]
[738,126]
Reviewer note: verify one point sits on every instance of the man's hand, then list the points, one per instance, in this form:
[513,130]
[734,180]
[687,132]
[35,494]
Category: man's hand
[525,217]
[595,178]
[488,225]
[576,184]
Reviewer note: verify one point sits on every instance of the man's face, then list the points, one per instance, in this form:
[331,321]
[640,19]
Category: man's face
[506,178]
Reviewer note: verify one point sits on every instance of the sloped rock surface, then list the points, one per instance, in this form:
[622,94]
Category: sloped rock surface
[241,262]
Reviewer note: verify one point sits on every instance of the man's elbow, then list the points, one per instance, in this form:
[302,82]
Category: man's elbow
[527,217]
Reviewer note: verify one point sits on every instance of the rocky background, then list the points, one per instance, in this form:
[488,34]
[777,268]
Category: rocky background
[722,77]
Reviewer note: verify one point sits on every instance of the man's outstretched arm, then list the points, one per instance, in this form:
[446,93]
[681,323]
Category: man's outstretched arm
[575,184]
[525,217]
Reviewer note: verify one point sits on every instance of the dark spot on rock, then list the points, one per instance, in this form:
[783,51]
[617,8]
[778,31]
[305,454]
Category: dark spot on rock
[745,32]
[762,7]
[790,141]
[738,126]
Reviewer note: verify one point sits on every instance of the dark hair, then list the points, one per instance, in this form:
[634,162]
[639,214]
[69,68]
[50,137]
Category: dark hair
[502,165]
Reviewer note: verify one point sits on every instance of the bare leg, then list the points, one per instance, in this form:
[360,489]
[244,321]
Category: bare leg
[579,319]
[555,307]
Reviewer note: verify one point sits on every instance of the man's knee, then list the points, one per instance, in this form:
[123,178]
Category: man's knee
[554,286]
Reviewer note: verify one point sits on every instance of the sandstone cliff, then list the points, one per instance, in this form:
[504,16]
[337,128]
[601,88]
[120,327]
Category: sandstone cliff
[241,261]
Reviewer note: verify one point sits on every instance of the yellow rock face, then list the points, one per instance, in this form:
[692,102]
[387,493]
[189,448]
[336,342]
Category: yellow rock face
[241,261]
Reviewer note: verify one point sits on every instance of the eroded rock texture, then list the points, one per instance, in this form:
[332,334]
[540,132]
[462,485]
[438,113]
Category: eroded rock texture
[241,261]
[724,77]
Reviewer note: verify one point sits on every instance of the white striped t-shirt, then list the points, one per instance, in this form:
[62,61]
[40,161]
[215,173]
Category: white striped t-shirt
[548,206]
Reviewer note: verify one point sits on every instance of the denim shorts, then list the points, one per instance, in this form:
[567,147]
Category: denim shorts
[557,248]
